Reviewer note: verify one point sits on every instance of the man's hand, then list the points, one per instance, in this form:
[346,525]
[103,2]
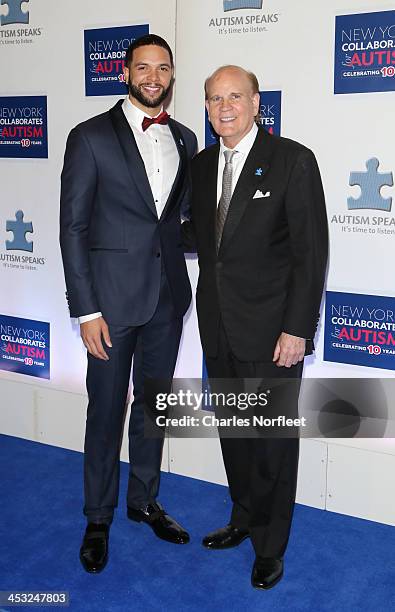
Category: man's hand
[289,350]
[91,334]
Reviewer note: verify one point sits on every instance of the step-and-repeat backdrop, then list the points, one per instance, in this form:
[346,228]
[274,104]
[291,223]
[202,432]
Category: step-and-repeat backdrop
[327,78]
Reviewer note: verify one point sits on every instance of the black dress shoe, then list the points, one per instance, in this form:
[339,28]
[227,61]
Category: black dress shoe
[161,523]
[94,549]
[227,537]
[266,572]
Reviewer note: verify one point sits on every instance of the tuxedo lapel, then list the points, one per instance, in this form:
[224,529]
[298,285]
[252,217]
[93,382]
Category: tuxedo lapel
[251,178]
[132,155]
[182,167]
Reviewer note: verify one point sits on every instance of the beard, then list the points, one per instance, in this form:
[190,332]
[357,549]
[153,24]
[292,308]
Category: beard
[136,92]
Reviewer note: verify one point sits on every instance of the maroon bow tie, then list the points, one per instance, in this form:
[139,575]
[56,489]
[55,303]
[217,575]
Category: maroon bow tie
[162,119]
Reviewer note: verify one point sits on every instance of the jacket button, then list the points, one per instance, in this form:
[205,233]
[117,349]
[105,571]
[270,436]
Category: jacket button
[219,264]
[158,254]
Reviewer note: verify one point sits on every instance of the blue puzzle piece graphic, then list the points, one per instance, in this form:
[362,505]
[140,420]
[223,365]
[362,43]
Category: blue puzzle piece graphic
[234,5]
[371,183]
[15,13]
[19,229]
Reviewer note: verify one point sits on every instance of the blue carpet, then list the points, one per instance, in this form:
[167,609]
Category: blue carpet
[333,562]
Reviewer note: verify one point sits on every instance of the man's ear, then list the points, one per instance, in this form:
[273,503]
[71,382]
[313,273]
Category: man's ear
[126,74]
[256,100]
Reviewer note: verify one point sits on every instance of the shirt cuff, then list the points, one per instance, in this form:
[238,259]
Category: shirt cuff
[89,317]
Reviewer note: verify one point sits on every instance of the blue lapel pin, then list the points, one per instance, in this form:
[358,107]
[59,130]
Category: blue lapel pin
[258,172]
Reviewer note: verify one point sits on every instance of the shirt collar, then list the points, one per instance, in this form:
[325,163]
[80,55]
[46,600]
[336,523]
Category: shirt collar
[134,115]
[245,144]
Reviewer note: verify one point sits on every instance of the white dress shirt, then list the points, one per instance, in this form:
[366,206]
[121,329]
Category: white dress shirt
[242,150]
[161,160]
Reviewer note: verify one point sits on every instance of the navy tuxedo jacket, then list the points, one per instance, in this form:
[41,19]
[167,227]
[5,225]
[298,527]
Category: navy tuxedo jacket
[269,273]
[113,244]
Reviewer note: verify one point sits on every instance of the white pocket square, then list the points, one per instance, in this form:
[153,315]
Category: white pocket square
[259,194]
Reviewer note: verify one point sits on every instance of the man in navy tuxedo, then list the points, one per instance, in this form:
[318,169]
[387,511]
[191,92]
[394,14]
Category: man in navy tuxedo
[124,186]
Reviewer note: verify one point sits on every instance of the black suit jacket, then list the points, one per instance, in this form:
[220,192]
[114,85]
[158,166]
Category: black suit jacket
[113,244]
[269,273]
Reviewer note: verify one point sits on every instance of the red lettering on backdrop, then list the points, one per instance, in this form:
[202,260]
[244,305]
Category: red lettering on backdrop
[22,131]
[110,66]
[368,59]
[367,335]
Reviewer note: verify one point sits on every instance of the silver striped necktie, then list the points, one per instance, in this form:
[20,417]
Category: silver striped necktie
[226,195]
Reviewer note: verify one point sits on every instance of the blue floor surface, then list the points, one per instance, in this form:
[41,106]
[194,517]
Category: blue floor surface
[333,562]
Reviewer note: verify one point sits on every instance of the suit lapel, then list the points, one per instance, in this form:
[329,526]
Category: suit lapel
[209,188]
[256,166]
[182,166]
[132,155]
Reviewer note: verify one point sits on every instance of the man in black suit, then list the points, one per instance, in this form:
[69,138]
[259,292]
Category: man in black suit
[124,185]
[259,220]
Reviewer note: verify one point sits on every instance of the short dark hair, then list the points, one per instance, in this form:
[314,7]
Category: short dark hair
[148,39]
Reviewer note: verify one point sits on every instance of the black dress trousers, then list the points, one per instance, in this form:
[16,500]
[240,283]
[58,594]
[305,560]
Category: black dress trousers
[261,471]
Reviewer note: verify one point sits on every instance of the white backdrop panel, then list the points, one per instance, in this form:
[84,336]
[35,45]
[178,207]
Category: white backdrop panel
[294,55]
[54,66]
